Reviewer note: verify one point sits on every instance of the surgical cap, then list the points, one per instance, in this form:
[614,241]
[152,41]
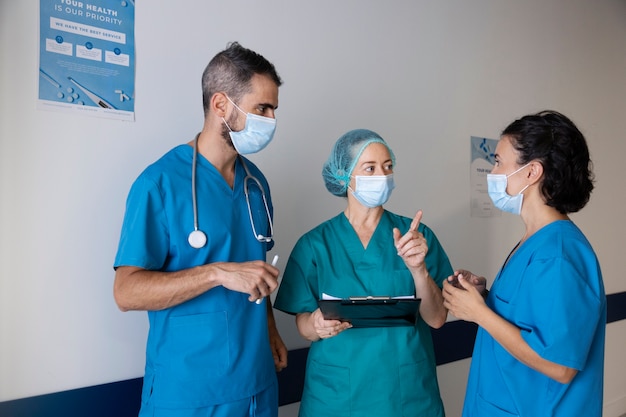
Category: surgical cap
[344,156]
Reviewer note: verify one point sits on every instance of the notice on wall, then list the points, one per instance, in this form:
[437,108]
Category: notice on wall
[87,57]
[482,153]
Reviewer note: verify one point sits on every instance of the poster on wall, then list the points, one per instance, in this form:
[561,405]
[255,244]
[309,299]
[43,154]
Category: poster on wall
[482,154]
[87,57]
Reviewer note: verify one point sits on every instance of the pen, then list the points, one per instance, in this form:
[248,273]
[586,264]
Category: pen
[274,262]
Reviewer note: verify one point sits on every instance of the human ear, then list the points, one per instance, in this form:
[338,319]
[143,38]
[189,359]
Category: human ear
[219,104]
[536,171]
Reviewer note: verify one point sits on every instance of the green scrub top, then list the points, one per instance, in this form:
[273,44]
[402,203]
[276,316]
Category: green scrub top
[379,371]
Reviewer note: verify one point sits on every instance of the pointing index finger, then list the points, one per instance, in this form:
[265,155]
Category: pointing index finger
[416,221]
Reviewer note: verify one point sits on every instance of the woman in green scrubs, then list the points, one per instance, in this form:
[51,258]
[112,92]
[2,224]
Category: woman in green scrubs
[366,250]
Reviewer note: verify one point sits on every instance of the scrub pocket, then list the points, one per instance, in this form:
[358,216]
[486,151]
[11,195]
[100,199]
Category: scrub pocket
[198,346]
[196,354]
[326,390]
[485,408]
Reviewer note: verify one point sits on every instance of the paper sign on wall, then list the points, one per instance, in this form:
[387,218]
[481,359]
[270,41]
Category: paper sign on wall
[482,152]
[87,57]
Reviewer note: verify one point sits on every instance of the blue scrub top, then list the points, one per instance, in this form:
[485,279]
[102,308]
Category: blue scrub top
[214,348]
[363,371]
[552,289]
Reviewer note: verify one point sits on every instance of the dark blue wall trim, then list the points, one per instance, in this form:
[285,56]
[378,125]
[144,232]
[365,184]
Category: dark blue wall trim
[119,399]
[453,342]
[615,307]
[291,379]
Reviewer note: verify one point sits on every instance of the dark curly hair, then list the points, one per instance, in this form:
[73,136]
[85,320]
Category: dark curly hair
[552,139]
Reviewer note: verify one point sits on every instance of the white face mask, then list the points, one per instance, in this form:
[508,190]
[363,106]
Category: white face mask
[256,135]
[373,190]
[496,187]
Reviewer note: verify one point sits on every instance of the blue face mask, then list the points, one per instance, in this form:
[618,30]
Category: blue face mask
[256,135]
[373,190]
[496,187]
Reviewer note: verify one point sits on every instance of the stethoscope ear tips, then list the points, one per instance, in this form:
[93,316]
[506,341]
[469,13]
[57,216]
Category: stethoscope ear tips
[197,239]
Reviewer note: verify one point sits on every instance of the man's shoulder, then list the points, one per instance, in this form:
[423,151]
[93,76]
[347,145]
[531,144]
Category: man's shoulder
[172,161]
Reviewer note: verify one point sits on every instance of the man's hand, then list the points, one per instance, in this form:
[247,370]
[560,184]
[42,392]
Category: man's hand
[279,350]
[257,278]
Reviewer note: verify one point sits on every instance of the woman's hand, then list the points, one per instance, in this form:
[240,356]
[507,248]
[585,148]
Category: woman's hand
[411,246]
[313,326]
[480,283]
[463,298]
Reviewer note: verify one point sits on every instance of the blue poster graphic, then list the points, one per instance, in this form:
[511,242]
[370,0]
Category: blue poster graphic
[87,57]
[482,160]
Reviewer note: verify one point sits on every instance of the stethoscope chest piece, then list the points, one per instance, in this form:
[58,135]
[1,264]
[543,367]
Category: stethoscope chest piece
[197,239]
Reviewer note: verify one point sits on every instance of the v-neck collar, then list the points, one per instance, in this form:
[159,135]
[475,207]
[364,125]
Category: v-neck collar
[373,249]
[204,164]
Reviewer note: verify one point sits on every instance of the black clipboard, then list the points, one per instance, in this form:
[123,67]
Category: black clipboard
[372,311]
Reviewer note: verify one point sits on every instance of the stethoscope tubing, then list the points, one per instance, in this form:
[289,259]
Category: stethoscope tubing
[197,238]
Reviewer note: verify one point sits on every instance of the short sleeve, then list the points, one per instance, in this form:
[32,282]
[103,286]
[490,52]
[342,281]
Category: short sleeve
[298,289]
[562,313]
[144,239]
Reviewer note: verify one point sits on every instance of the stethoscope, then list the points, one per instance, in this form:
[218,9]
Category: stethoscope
[197,238]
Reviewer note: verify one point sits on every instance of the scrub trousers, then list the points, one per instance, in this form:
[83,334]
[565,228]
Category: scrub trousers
[263,404]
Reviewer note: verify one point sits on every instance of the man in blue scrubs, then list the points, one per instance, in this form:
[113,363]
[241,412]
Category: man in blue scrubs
[192,254]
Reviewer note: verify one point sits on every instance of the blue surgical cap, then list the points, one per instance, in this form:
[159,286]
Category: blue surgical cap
[344,156]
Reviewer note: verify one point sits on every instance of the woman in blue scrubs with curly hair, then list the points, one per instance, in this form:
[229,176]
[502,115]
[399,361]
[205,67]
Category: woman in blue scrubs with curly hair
[366,250]
[539,350]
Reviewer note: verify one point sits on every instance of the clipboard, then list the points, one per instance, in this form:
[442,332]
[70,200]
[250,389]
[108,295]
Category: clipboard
[372,311]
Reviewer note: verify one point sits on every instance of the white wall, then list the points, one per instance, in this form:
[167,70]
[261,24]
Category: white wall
[426,75]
